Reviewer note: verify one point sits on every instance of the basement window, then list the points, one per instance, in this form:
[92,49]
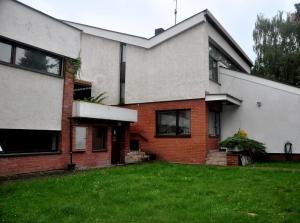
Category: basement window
[173,123]
[17,141]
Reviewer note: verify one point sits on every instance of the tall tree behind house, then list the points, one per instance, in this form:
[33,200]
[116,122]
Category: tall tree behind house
[277,46]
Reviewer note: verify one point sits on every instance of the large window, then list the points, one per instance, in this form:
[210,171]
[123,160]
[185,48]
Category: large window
[28,141]
[122,72]
[214,124]
[173,123]
[99,139]
[216,55]
[29,58]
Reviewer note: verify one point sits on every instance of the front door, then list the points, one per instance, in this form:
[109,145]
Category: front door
[117,144]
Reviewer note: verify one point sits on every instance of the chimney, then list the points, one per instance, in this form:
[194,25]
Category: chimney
[159,31]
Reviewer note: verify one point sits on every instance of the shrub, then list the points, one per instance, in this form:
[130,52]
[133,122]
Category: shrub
[239,142]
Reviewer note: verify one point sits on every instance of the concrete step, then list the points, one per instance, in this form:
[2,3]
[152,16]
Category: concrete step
[216,157]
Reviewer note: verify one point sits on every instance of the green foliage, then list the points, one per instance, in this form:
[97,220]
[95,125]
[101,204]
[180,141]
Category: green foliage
[277,46]
[243,144]
[76,65]
[96,99]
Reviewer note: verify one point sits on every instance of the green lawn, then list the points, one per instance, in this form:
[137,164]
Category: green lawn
[156,192]
[292,165]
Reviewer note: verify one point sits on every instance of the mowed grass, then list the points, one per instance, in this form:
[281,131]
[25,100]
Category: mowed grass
[156,192]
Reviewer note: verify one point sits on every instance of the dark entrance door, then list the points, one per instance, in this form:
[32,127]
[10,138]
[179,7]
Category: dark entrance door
[117,144]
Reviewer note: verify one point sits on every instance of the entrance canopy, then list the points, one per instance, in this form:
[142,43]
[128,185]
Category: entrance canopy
[83,109]
[224,98]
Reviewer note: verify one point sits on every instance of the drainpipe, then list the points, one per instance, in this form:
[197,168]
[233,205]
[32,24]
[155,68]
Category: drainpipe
[71,166]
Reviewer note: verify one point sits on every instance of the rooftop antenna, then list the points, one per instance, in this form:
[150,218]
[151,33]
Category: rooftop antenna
[175,12]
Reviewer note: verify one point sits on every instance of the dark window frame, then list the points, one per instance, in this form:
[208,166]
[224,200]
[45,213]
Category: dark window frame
[123,48]
[217,124]
[12,63]
[13,149]
[177,135]
[104,149]
[215,73]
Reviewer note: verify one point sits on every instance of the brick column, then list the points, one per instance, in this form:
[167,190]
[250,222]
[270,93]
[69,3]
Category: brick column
[67,107]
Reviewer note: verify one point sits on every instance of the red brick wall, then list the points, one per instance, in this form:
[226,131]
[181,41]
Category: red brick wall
[213,143]
[233,159]
[88,157]
[37,163]
[183,150]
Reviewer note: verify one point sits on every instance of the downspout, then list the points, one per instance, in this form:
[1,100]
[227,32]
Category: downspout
[71,165]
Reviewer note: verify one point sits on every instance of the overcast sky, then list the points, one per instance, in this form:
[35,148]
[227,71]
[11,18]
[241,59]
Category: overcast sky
[141,17]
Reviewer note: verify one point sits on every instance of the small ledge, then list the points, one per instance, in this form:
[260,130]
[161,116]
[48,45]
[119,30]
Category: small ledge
[172,136]
[99,150]
[3,155]
[78,151]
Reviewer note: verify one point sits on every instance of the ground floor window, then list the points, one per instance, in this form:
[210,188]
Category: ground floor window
[214,124]
[80,138]
[28,141]
[99,139]
[173,123]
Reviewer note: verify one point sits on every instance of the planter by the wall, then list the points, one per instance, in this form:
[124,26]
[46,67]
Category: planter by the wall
[233,159]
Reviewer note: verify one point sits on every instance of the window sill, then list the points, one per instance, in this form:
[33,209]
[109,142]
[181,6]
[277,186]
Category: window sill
[216,82]
[3,155]
[172,136]
[99,150]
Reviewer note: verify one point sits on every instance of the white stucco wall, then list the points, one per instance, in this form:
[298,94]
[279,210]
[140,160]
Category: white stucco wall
[176,69]
[274,123]
[29,100]
[26,25]
[213,34]
[101,65]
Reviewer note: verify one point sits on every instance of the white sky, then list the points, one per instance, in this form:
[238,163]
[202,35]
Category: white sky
[141,17]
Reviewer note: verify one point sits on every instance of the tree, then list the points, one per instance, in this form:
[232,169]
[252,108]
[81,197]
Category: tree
[277,46]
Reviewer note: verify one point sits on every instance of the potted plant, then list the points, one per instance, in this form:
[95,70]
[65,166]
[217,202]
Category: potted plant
[246,147]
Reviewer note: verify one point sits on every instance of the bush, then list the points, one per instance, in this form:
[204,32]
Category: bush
[239,142]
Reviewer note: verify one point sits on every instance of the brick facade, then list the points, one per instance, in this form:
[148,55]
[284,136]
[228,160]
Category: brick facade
[39,162]
[183,150]
[29,163]
[89,157]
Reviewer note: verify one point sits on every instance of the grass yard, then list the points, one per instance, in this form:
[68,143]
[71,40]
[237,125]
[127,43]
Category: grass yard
[156,192]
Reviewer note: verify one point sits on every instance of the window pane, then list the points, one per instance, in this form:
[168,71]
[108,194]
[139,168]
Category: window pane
[37,60]
[5,52]
[80,138]
[99,138]
[214,123]
[123,53]
[28,141]
[166,123]
[184,123]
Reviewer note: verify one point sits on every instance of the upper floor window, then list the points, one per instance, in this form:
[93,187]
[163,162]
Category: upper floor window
[215,56]
[173,123]
[29,58]
[5,52]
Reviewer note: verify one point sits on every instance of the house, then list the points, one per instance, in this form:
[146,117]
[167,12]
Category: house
[175,95]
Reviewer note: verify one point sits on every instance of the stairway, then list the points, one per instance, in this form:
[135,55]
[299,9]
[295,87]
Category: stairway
[216,157]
